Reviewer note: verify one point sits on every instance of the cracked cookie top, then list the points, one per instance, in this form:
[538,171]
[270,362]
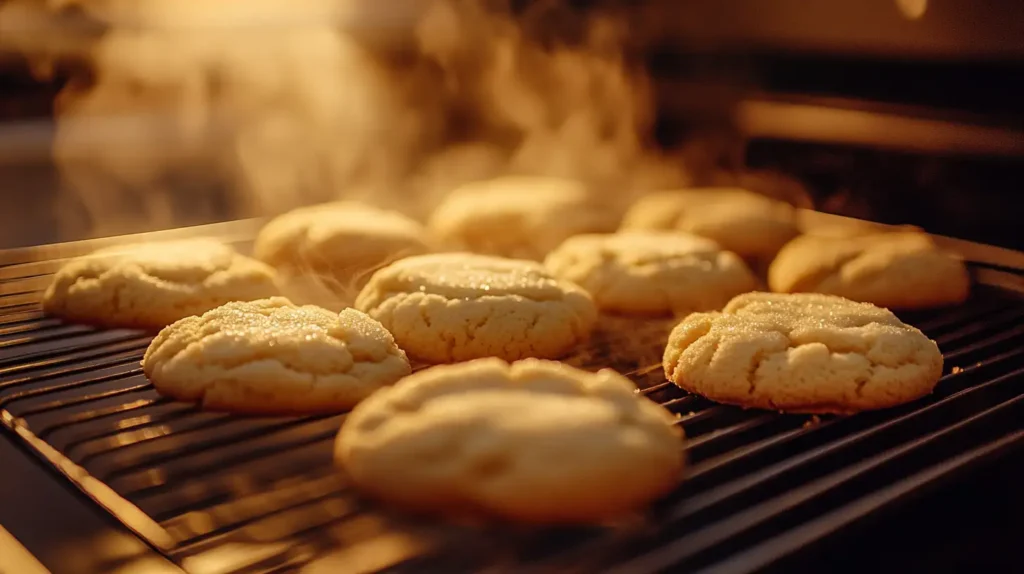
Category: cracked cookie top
[273,356]
[459,306]
[806,353]
[534,441]
[518,216]
[899,270]
[746,223]
[154,284]
[652,272]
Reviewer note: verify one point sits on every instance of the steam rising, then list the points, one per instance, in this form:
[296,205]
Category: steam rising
[259,106]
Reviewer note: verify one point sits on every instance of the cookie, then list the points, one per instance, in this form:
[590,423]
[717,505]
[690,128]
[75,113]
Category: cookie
[450,307]
[651,272]
[519,217]
[273,357]
[753,226]
[535,442]
[903,270]
[154,284]
[326,253]
[803,353]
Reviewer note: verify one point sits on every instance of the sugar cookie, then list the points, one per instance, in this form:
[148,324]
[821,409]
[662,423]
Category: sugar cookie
[520,217]
[903,270]
[805,353]
[271,356]
[458,306]
[753,226]
[326,253]
[535,441]
[154,284]
[652,272]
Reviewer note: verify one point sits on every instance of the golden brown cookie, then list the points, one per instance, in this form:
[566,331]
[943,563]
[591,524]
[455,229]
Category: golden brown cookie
[271,356]
[154,284]
[326,253]
[803,353]
[519,217]
[903,270]
[535,441]
[451,307]
[753,226]
[652,272]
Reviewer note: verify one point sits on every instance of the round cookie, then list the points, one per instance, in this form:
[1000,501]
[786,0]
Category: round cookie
[753,226]
[154,284]
[652,272]
[535,441]
[271,356]
[519,217]
[903,270]
[326,253]
[451,307]
[803,353]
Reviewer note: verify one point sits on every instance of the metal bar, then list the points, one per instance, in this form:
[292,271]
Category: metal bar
[5,401]
[163,484]
[731,431]
[133,358]
[21,317]
[98,414]
[731,489]
[703,416]
[674,553]
[316,483]
[123,440]
[681,403]
[984,344]
[212,498]
[976,327]
[775,548]
[11,308]
[49,358]
[68,332]
[16,557]
[28,325]
[118,435]
[657,388]
[226,530]
[64,404]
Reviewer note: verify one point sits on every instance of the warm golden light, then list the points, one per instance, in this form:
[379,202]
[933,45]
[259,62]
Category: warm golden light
[912,9]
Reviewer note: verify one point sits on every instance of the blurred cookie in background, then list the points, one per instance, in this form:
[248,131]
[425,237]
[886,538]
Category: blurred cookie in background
[897,270]
[520,217]
[326,253]
[652,272]
[753,226]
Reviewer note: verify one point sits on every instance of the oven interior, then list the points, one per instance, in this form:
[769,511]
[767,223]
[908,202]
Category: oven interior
[855,109]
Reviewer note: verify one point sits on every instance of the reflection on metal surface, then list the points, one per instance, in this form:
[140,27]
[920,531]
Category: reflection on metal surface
[233,232]
[135,519]
[231,557]
[114,554]
[368,555]
[814,221]
[808,122]
[15,559]
[912,9]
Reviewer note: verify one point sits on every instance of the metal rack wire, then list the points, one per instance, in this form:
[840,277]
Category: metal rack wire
[219,492]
